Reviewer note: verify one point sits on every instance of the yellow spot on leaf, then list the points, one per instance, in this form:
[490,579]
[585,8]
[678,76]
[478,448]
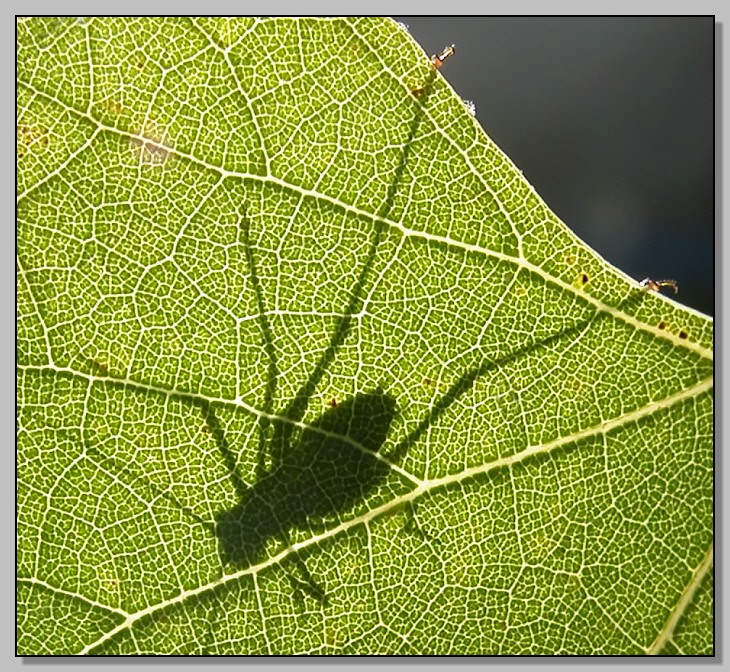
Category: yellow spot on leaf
[573,383]
[115,107]
[225,33]
[31,138]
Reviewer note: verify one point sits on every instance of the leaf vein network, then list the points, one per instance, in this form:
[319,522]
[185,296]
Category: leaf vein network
[517,261]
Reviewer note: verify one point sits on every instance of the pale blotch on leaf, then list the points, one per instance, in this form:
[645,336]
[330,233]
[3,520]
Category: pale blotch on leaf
[114,107]
[150,144]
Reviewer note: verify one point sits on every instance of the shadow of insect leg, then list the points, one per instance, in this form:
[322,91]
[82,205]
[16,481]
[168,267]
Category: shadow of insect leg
[411,524]
[268,340]
[306,585]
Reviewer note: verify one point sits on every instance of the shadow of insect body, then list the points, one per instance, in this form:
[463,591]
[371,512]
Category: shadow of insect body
[330,468]
[323,469]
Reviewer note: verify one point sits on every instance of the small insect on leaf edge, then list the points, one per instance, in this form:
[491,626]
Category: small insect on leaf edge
[650,285]
[446,52]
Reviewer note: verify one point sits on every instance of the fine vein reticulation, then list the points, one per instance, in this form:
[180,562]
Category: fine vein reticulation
[377,386]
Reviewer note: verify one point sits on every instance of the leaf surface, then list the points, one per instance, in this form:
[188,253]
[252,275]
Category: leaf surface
[306,366]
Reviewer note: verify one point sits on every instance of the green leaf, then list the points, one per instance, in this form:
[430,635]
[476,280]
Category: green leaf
[306,366]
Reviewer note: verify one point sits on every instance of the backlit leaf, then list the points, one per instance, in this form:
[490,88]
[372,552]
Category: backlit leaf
[306,366]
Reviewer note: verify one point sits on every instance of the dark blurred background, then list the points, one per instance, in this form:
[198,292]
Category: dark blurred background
[611,121]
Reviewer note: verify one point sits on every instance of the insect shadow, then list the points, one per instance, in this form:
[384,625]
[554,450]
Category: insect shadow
[325,471]
[320,469]
[329,468]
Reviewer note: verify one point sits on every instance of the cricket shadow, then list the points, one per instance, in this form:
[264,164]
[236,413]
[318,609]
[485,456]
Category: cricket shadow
[325,468]
[330,467]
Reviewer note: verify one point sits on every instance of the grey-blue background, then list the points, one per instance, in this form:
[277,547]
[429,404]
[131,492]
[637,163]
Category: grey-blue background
[611,119]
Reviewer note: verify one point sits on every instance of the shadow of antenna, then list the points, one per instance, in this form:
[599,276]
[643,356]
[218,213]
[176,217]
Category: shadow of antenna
[467,380]
[332,463]
[298,406]
[268,338]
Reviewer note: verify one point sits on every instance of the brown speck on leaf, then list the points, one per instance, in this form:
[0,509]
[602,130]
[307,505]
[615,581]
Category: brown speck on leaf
[683,334]
[99,367]
[569,259]
[584,279]
[332,403]
[662,325]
